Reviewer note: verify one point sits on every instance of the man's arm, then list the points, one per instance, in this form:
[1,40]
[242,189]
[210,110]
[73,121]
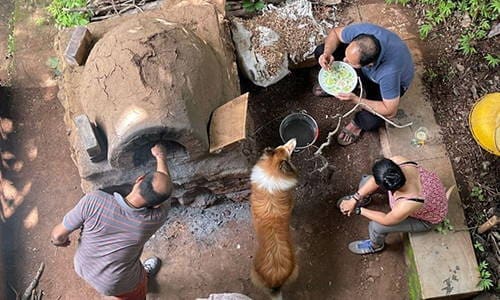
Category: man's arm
[60,236]
[332,41]
[160,154]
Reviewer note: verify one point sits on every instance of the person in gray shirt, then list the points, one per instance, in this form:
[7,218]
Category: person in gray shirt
[114,230]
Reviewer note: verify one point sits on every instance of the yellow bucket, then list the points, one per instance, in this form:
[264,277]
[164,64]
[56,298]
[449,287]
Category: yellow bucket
[484,122]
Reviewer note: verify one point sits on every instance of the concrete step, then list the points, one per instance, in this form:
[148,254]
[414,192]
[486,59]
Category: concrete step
[441,265]
[445,264]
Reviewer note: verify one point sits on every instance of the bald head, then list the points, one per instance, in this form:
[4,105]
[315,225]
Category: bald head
[155,188]
[367,47]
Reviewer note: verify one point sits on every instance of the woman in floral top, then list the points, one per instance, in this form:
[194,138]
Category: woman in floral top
[416,196]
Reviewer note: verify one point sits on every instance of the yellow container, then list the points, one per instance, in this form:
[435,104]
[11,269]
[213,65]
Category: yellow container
[484,122]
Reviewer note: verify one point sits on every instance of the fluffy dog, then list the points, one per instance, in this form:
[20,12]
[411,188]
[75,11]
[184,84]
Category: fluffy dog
[273,178]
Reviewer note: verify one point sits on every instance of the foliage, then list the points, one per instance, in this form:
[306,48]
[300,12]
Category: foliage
[402,2]
[444,227]
[53,63]
[253,6]
[39,21]
[479,246]
[485,281]
[493,61]
[481,13]
[477,192]
[69,13]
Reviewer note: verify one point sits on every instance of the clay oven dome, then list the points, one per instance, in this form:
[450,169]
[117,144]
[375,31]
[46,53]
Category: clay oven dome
[148,80]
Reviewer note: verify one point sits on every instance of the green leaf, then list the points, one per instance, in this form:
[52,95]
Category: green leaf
[259,5]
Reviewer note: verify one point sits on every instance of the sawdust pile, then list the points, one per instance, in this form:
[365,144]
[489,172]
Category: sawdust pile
[296,37]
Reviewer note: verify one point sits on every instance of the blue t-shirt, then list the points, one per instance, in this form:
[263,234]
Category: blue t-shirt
[394,68]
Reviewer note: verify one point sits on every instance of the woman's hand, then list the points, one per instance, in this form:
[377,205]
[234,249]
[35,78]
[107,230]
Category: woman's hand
[348,206]
[325,60]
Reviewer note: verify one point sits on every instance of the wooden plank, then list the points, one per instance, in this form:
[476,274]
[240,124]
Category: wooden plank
[228,124]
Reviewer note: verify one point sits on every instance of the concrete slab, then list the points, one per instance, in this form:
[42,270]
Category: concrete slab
[416,53]
[445,263]
[414,108]
[391,17]
[450,268]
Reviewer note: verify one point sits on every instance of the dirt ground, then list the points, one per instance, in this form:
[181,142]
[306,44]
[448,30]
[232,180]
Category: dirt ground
[203,250]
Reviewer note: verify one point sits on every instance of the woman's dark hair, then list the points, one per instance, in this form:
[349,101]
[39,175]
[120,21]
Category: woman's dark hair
[147,191]
[388,174]
[369,47]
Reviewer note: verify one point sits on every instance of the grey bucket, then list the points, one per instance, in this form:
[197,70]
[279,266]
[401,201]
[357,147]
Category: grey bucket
[300,126]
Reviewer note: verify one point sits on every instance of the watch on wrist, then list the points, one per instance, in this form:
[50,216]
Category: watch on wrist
[357,210]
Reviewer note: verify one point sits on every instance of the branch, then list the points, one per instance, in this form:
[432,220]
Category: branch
[34,282]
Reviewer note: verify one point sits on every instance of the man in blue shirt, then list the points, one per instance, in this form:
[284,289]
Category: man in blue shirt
[383,63]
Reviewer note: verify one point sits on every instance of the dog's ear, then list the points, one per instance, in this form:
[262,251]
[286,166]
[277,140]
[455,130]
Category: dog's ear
[287,168]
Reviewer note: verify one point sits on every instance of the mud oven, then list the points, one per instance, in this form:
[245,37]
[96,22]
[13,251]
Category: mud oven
[156,77]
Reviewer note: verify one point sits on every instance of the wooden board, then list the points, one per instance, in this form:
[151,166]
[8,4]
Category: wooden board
[228,124]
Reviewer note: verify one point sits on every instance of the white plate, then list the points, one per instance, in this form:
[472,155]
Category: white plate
[341,78]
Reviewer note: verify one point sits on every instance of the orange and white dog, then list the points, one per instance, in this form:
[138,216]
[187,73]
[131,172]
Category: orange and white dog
[273,179]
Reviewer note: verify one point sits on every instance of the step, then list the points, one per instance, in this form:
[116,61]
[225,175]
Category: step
[444,264]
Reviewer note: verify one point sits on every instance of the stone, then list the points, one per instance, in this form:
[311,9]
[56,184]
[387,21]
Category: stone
[78,47]
[91,141]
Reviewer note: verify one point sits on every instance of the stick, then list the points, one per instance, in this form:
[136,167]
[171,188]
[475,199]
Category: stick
[14,290]
[493,221]
[34,282]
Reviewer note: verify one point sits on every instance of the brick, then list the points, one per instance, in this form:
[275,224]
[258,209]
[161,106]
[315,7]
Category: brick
[90,138]
[78,46]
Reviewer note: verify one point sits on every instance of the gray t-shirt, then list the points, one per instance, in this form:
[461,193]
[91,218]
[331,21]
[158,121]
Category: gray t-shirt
[112,238]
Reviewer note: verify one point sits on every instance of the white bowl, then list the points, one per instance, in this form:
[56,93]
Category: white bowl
[341,78]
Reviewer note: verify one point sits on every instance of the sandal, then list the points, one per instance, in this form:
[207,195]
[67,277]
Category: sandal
[318,91]
[347,137]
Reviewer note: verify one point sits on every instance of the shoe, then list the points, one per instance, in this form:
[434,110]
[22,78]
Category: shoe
[152,265]
[319,92]
[347,137]
[364,247]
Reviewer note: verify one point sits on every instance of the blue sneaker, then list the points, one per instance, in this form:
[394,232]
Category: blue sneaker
[364,247]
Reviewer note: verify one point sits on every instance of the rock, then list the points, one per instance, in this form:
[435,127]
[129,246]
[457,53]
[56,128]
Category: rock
[486,165]
[466,21]
[474,92]
[370,279]
[308,228]
[460,68]
[494,31]
[330,2]
[373,270]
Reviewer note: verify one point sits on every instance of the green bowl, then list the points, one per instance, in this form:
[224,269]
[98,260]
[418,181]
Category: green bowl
[341,78]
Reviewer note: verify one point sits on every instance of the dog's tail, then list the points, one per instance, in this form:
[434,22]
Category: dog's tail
[276,294]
